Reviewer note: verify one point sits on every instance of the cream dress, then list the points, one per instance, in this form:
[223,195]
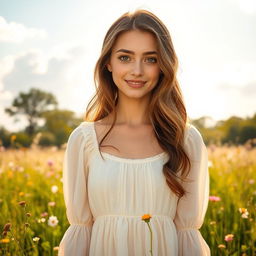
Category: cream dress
[105,200]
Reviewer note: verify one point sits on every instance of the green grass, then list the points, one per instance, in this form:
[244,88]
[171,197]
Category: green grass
[233,180]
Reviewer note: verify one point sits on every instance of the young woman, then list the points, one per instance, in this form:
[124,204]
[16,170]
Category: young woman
[136,153]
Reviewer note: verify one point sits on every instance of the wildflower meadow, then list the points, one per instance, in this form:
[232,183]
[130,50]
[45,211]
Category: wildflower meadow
[33,218]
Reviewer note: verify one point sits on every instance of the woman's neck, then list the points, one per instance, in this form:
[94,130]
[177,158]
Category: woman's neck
[132,111]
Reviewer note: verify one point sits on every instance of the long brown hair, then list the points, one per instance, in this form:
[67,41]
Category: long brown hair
[167,111]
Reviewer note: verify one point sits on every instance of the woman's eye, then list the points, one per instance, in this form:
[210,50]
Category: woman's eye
[151,60]
[123,58]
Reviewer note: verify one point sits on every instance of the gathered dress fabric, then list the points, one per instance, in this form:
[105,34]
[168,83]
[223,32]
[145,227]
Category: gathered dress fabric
[106,197]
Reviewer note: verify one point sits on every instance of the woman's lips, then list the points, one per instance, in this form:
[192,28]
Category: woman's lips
[135,84]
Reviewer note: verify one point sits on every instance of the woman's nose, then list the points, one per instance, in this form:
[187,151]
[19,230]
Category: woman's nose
[137,68]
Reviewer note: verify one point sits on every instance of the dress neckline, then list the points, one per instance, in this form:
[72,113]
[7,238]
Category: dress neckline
[123,159]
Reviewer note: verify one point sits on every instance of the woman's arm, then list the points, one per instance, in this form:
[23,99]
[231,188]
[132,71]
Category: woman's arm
[191,208]
[76,240]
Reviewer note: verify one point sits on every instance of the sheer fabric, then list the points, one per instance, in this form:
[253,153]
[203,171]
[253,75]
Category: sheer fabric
[105,199]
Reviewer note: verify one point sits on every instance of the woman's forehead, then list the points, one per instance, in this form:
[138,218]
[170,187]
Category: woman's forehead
[136,41]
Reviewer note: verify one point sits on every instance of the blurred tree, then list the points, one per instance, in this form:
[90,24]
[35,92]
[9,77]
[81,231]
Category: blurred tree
[47,139]
[59,123]
[247,132]
[22,139]
[248,129]
[231,129]
[5,136]
[32,105]
[234,130]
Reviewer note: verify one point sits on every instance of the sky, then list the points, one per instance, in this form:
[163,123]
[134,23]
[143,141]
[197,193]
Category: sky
[54,46]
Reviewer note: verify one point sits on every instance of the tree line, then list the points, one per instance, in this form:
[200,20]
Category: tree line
[47,124]
[50,126]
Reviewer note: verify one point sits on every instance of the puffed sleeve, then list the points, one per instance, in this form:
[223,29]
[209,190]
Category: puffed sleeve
[191,208]
[76,240]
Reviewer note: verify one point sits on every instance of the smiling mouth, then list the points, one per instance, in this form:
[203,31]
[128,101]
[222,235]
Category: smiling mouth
[136,81]
[135,84]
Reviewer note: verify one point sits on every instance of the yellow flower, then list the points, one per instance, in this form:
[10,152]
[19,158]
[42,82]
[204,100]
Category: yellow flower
[146,217]
[5,241]
[221,246]
[29,183]
[244,212]
[10,174]
[21,193]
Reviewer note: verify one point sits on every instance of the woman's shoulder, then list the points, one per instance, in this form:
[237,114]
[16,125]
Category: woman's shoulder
[81,130]
[192,133]
[194,143]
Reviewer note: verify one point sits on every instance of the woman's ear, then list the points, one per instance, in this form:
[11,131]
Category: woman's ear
[109,67]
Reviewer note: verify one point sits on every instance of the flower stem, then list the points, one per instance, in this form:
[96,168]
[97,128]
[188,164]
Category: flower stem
[151,238]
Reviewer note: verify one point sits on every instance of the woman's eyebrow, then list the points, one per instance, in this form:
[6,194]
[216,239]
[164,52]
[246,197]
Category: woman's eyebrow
[131,52]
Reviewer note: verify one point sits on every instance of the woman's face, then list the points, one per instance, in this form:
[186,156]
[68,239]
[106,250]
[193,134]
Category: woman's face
[134,63]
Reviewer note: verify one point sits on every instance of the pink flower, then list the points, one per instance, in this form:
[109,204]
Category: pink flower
[229,237]
[50,162]
[44,214]
[214,198]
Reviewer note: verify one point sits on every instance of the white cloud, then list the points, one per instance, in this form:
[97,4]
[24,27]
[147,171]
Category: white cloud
[16,33]
[31,69]
[6,65]
[63,74]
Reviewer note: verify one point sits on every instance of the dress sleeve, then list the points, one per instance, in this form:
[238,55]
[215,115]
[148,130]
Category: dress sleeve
[76,240]
[192,207]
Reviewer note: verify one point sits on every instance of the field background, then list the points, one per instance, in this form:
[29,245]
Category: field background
[31,182]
